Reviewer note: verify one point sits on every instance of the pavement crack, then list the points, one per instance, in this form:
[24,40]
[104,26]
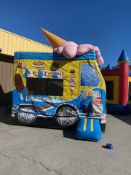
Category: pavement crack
[4,155]
[40,163]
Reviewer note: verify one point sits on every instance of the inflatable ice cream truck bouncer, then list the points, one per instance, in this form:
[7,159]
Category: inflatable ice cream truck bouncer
[48,85]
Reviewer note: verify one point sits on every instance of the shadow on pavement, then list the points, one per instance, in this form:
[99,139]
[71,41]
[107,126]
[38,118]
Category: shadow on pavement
[70,133]
[40,123]
[124,118]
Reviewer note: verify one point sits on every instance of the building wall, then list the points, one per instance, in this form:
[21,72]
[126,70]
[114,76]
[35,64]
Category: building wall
[6,76]
[10,43]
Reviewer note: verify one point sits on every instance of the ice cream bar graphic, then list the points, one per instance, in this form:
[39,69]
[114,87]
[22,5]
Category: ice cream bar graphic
[53,39]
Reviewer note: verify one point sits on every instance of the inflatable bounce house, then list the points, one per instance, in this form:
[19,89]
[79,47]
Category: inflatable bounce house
[50,85]
[118,86]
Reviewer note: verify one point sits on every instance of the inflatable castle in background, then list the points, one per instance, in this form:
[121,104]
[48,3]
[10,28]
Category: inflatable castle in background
[118,85]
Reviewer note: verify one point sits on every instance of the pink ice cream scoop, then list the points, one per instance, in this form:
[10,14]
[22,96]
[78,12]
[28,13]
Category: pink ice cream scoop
[70,49]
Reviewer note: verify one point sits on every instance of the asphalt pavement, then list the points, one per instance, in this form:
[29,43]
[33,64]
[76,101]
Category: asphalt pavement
[46,149]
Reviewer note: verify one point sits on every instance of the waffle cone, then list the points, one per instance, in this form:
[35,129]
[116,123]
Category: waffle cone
[54,40]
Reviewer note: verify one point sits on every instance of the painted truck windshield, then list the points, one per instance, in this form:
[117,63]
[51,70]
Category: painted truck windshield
[89,76]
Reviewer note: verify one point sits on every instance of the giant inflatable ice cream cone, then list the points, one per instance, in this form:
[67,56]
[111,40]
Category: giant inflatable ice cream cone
[54,40]
[69,48]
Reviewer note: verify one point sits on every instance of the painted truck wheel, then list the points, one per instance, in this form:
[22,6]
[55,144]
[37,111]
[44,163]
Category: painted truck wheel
[66,116]
[26,117]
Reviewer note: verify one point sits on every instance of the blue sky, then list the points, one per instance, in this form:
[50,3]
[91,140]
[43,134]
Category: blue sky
[105,23]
